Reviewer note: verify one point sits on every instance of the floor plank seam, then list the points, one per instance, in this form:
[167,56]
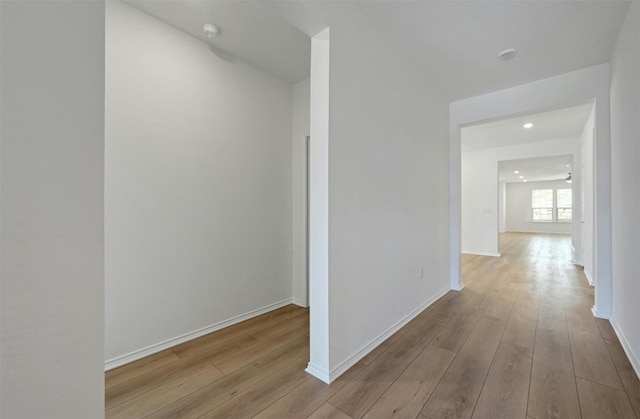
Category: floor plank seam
[283,396]
[626,390]
[439,381]
[224,401]
[601,384]
[475,405]
[533,351]
[340,410]
[250,388]
[573,362]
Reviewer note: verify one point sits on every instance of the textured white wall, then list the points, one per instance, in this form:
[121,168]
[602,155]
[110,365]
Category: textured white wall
[519,208]
[625,196]
[479,195]
[586,203]
[319,207]
[198,186]
[502,207]
[52,177]
[299,132]
[387,202]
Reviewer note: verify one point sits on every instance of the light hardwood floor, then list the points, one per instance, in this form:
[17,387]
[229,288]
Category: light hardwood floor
[519,341]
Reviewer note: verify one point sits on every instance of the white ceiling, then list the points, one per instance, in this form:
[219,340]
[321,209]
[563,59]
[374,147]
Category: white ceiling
[535,170]
[552,125]
[250,31]
[456,42]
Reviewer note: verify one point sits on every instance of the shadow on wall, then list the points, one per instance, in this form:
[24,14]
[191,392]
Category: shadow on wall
[222,54]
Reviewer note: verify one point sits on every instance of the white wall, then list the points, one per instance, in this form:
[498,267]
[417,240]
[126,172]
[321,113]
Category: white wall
[198,187]
[479,191]
[625,196]
[480,203]
[502,207]
[319,348]
[52,270]
[300,130]
[519,212]
[578,87]
[387,202]
[585,256]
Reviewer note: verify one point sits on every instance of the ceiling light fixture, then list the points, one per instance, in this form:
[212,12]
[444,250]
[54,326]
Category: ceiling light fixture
[527,125]
[516,171]
[521,177]
[525,181]
[507,54]
[212,31]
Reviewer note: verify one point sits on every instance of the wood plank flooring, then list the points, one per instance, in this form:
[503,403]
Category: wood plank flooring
[519,341]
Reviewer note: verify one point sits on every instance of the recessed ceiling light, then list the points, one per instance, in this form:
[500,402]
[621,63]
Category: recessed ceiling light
[210,30]
[527,125]
[521,177]
[525,181]
[516,171]
[507,54]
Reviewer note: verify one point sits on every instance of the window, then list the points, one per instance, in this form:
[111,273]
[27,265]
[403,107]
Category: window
[551,205]
[563,204]
[542,204]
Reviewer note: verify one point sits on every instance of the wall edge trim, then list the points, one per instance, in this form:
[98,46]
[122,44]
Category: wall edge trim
[626,347]
[470,252]
[589,277]
[161,346]
[599,314]
[299,302]
[366,349]
[318,372]
[541,232]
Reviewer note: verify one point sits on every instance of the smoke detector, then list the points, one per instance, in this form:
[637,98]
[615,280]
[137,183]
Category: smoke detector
[210,30]
[507,54]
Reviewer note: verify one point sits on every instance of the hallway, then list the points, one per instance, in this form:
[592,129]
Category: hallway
[553,357]
[518,342]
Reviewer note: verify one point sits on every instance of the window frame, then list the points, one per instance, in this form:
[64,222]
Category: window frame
[558,207]
[545,208]
[554,209]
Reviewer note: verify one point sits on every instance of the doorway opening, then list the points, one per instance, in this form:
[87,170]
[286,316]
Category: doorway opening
[505,162]
[536,196]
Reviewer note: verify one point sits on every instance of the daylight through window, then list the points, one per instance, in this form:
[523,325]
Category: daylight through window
[542,204]
[563,206]
[551,205]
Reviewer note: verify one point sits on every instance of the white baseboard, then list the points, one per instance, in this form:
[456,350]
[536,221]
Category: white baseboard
[600,314]
[626,346]
[319,373]
[364,351]
[161,346]
[468,252]
[540,232]
[589,278]
[299,302]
